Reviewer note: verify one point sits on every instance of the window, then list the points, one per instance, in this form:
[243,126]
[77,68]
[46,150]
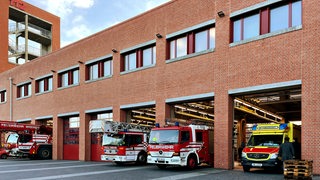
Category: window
[285,16]
[24,90]
[178,47]
[99,69]
[74,122]
[141,57]
[3,96]
[205,40]
[44,85]
[149,56]
[68,78]
[192,42]
[266,20]
[130,61]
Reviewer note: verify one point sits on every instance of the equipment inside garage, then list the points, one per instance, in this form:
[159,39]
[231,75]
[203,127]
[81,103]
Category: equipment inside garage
[142,115]
[282,106]
[200,112]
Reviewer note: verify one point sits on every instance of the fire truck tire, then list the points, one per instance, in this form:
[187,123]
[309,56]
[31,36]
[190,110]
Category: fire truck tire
[192,162]
[246,168]
[142,158]
[162,166]
[44,153]
[4,156]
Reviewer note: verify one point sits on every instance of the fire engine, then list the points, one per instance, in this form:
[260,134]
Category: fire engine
[263,146]
[122,142]
[26,140]
[176,145]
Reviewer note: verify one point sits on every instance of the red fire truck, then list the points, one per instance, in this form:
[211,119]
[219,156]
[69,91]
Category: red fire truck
[181,146]
[122,142]
[26,140]
[263,146]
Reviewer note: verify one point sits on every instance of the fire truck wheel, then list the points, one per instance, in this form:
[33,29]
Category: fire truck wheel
[246,168]
[4,156]
[192,162]
[142,158]
[162,166]
[44,153]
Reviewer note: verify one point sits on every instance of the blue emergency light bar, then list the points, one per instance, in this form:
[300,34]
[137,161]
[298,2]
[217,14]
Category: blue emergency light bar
[281,127]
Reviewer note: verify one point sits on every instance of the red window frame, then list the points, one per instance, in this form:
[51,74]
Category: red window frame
[191,41]
[2,96]
[26,90]
[70,77]
[264,14]
[46,84]
[139,57]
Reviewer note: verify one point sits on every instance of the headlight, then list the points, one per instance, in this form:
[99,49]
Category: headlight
[243,154]
[274,156]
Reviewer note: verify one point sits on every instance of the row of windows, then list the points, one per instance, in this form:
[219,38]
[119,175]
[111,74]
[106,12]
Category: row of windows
[251,24]
[267,20]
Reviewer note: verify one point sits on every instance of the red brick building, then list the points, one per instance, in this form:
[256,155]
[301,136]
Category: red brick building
[183,60]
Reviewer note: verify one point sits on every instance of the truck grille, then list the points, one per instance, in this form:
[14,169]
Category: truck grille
[257,156]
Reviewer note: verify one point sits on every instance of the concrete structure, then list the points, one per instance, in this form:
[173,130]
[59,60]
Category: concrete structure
[207,54]
[31,33]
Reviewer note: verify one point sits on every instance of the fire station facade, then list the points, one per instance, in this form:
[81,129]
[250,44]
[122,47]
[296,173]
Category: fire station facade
[200,54]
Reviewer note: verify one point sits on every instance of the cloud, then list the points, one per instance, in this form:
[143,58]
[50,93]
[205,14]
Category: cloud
[63,8]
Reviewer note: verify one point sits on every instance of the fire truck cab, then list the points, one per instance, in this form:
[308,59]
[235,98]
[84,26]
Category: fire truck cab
[263,146]
[122,142]
[26,140]
[181,146]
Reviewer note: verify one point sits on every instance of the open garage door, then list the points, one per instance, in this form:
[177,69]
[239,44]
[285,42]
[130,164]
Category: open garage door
[199,112]
[276,106]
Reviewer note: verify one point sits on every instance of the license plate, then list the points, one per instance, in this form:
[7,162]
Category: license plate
[257,164]
[160,159]
[24,147]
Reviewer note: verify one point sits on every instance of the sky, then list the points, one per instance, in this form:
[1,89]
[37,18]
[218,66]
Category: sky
[81,18]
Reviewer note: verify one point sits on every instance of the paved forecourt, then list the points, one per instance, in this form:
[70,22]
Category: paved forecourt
[25,169]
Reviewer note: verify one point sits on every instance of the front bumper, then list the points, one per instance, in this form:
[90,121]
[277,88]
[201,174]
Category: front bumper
[261,164]
[174,160]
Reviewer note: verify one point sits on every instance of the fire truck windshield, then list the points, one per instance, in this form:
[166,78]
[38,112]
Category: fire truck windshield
[13,138]
[164,137]
[265,140]
[115,140]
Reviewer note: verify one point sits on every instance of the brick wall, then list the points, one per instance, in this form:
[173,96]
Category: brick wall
[286,57]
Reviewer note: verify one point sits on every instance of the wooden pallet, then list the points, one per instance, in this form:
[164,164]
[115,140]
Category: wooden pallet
[298,169]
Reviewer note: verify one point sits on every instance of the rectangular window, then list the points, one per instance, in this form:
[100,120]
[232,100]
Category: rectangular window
[149,56]
[74,122]
[68,78]
[130,61]
[99,69]
[279,18]
[194,41]
[138,58]
[3,96]
[270,19]
[24,90]
[44,85]
[205,40]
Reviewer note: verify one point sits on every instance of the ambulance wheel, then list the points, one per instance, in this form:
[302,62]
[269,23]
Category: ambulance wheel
[44,153]
[192,162]
[162,166]
[142,158]
[246,168]
[4,156]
